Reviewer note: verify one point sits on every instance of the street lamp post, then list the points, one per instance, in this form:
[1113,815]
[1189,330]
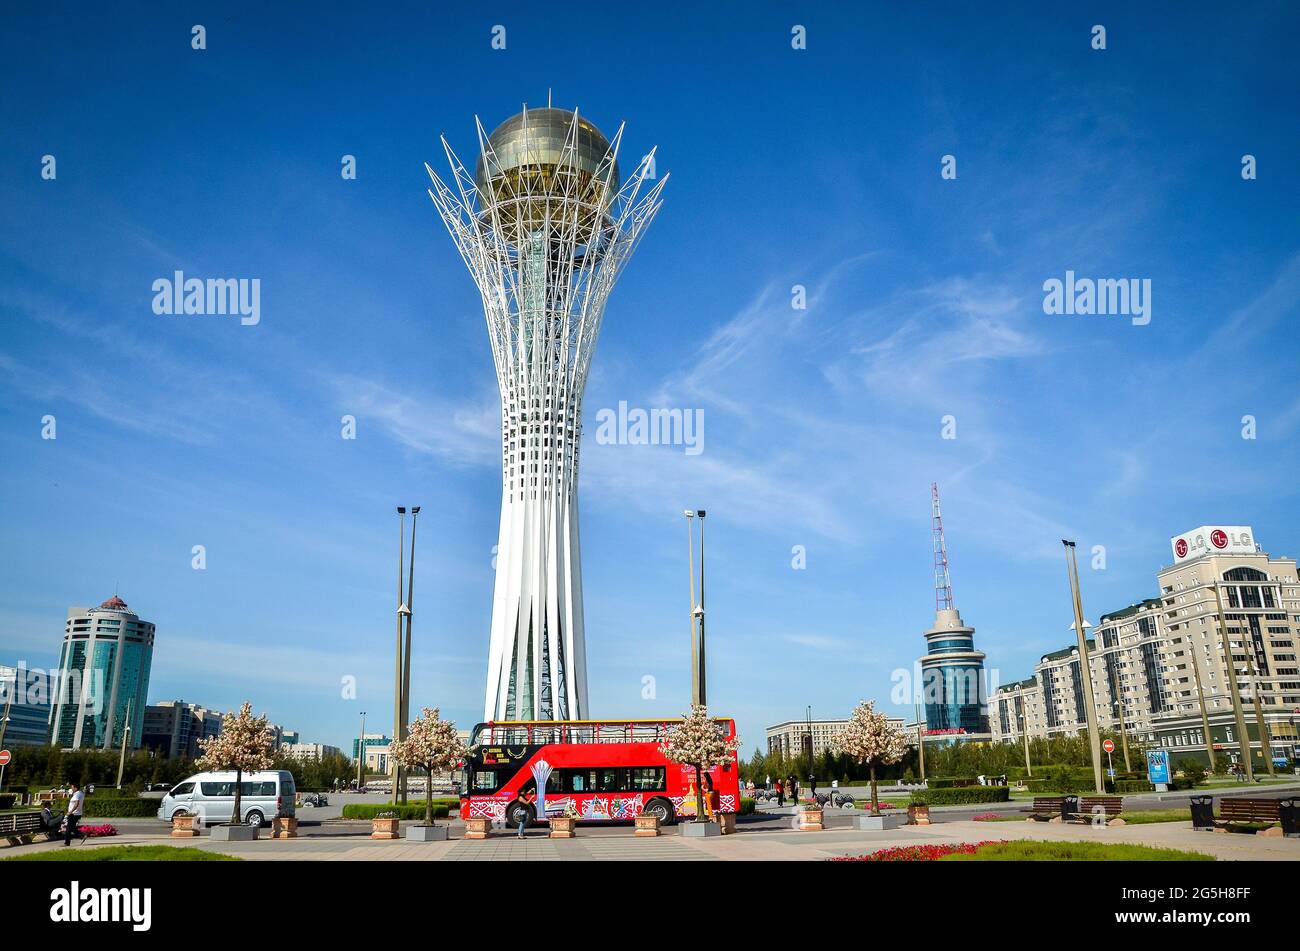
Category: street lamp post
[1123,728]
[406,653]
[699,693]
[920,740]
[695,655]
[361,753]
[1085,668]
[4,723]
[1239,716]
[1265,737]
[394,769]
[126,732]
[1205,715]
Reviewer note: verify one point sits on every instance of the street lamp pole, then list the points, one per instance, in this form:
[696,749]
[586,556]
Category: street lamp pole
[406,654]
[361,753]
[1265,737]
[920,740]
[1239,716]
[1205,715]
[394,769]
[1123,728]
[1085,667]
[695,655]
[704,654]
[126,732]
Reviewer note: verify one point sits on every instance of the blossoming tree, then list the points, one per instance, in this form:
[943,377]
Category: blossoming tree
[431,745]
[699,742]
[871,739]
[243,745]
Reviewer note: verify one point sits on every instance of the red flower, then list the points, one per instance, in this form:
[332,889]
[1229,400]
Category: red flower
[914,853]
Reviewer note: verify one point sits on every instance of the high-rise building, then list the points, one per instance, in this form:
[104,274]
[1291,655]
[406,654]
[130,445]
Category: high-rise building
[953,691]
[1154,660]
[25,700]
[174,728]
[545,225]
[103,668]
[791,737]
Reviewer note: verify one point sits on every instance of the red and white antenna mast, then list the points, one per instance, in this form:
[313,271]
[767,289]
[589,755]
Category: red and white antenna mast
[942,581]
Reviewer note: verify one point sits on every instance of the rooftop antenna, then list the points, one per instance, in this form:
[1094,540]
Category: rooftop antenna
[942,580]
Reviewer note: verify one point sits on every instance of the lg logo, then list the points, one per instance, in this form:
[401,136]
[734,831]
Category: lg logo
[1219,538]
[1180,548]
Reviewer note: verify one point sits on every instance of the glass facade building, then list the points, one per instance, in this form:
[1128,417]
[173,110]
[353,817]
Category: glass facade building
[103,677]
[25,697]
[953,688]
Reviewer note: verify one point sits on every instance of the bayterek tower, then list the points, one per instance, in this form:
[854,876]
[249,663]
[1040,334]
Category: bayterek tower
[545,225]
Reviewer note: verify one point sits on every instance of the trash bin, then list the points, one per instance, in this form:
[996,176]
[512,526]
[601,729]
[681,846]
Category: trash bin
[1288,811]
[1069,806]
[1202,812]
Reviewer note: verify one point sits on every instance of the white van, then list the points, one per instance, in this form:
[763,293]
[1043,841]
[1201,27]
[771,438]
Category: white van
[211,797]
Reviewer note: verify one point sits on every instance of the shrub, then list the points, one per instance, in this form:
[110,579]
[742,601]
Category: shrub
[1122,786]
[964,795]
[114,807]
[412,810]
[950,782]
[746,806]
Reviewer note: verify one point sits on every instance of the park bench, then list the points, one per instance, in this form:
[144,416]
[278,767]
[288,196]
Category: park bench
[15,824]
[1046,808]
[1243,810]
[1092,808]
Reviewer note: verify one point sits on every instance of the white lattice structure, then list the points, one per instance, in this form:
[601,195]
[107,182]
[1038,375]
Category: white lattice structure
[545,226]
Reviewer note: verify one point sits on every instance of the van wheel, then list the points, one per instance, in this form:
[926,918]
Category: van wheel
[519,812]
[662,809]
[180,812]
[254,819]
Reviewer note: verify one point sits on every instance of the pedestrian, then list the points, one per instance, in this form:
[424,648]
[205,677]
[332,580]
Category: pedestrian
[749,789]
[76,805]
[792,784]
[780,792]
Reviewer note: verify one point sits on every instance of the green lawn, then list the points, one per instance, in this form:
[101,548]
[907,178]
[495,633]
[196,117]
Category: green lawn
[125,853]
[1076,852]
[1135,818]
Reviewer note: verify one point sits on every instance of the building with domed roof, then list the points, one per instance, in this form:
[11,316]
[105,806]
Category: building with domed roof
[102,679]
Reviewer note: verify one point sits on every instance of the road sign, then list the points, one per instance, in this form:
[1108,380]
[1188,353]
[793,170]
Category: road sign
[1108,746]
[5,757]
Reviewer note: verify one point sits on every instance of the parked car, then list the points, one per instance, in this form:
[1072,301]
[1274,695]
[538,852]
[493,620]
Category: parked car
[211,797]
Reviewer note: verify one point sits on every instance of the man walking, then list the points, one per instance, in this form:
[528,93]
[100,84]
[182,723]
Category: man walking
[76,805]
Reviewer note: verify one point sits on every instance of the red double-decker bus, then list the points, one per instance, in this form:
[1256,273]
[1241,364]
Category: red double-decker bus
[608,770]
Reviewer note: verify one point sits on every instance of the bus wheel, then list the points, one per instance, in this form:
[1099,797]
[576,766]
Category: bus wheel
[661,809]
[519,812]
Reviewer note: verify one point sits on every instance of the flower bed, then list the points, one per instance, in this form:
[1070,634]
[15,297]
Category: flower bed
[986,817]
[97,832]
[915,853]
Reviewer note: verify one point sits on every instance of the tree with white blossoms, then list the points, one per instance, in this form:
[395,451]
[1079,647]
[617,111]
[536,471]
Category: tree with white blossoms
[871,739]
[431,745]
[699,742]
[244,745]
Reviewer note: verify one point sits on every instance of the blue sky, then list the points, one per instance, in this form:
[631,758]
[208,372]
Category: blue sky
[818,167]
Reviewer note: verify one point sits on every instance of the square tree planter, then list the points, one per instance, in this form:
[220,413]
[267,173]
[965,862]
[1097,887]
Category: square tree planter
[563,827]
[880,823]
[918,814]
[284,827]
[183,827]
[810,820]
[235,833]
[423,833]
[383,828]
[478,828]
[647,825]
[701,829]
[727,820]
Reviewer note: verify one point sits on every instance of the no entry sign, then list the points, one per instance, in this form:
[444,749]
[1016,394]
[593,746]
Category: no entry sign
[1109,746]
[5,757]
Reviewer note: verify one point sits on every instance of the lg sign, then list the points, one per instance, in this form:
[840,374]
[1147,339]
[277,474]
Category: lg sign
[1228,539]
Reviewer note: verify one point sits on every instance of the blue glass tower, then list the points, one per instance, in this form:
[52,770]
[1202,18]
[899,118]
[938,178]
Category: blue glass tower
[952,671]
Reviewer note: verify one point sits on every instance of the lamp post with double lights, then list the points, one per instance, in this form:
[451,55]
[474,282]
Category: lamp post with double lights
[1265,737]
[361,753]
[699,676]
[1238,716]
[402,610]
[1085,667]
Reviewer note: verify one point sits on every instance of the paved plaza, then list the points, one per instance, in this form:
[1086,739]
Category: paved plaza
[769,840]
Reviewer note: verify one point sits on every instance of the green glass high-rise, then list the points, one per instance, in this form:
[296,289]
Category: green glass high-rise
[103,672]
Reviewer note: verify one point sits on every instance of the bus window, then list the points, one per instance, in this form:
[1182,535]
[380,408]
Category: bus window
[607,780]
[646,779]
[484,781]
